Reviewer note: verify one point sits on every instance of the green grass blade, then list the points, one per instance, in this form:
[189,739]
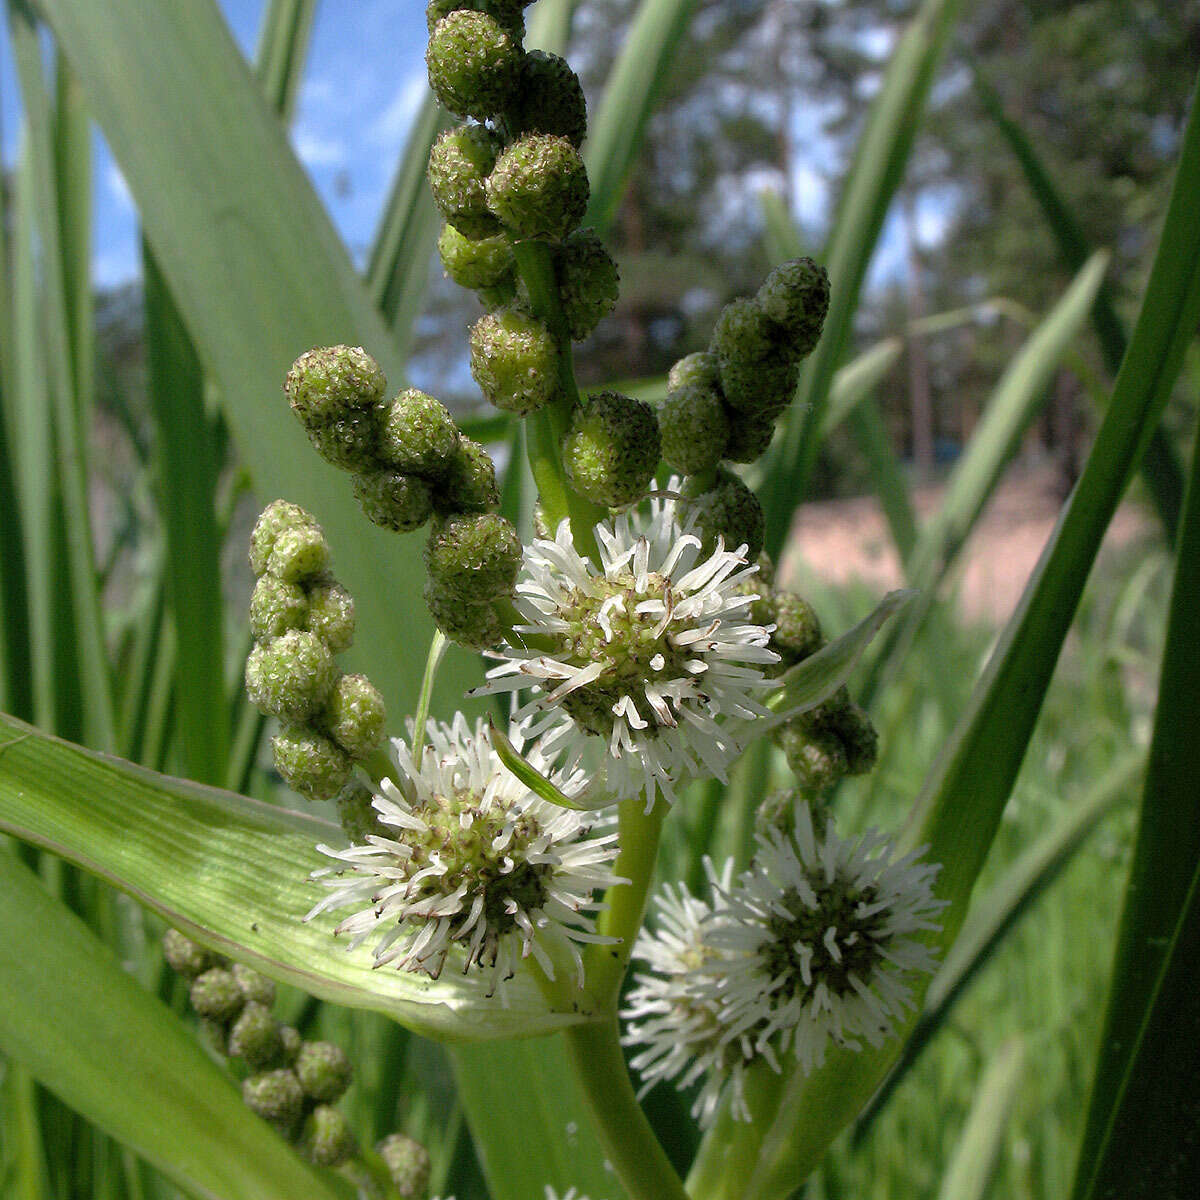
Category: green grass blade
[1139,1139]
[875,175]
[993,917]
[854,382]
[259,276]
[633,87]
[87,1031]
[283,44]
[1010,409]
[1161,468]
[548,25]
[188,473]
[234,873]
[970,1171]
[782,238]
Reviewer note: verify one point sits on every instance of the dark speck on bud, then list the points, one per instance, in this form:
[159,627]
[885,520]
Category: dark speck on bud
[256,987]
[473,557]
[476,263]
[694,428]
[278,517]
[729,510]
[277,1097]
[611,450]
[699,368]
[459,164]
[215,994]
[796,296]
[354,715]
[299,554]
[539,187]
[276,607]
[254,1036]
[588,282]
[514,360]
[290,676]
[326,1139]
[312,764]
[470,482]
[475,626]
[417,435]
[549,98]
[331,615]
[394,500]
[408,1164]
[331,382]
[473,64]
[356,814]
[323,1070]
[185,956]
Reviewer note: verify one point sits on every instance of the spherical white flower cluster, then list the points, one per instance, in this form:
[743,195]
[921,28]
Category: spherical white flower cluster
[480,870]
[651,653]
[813,943]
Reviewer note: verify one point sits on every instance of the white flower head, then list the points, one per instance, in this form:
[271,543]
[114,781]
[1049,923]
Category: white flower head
[651,652]
[672,1014]
[817,935]
[479,870]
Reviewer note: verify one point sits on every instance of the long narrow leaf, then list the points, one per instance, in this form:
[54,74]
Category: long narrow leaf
[282,48]
[87,1031]
[234,873]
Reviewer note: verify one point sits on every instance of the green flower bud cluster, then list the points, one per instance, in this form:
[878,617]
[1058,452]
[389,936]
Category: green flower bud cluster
[828,742]
[407,456]
[301,617]
[611,450]
[723,402]
[408,1164]
[290,1082]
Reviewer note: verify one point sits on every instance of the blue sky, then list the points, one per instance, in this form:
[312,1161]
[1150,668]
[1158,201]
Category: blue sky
[364,81]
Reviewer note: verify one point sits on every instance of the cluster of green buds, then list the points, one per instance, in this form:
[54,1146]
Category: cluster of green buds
[302,617]
[723,402]
[829,742]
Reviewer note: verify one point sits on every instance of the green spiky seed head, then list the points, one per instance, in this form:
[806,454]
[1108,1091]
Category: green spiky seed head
[417,435]
[276,607]
[278,517]
[354,715]
[700,368]
[470,483]
[290,1042]
[753,358]
[326,1139]
[549,98]
[256,987]
[310,763]
[798,630]
[473,626]
[185,956]
[459,164]
[729,510]
[291,676]
[588,282]
[473,64]
[473,557]
[323,1070]
[611,450]
[394,500]
[539,187]
[356,813]
[254,1036]
[277,1097]
[476,263]
[507,12]
[331,382]
[796,296]
[694,428]
[346,442]
[215,994]
[514,360]
[749,436]
[331,615]
[408,1164]
[299,554]
[816,756]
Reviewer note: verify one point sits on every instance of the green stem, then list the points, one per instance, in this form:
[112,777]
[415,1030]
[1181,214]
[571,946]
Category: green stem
[628,1141]
[548,425]
[437,649]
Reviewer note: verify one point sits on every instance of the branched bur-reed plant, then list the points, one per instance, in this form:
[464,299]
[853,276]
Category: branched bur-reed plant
[638,646]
